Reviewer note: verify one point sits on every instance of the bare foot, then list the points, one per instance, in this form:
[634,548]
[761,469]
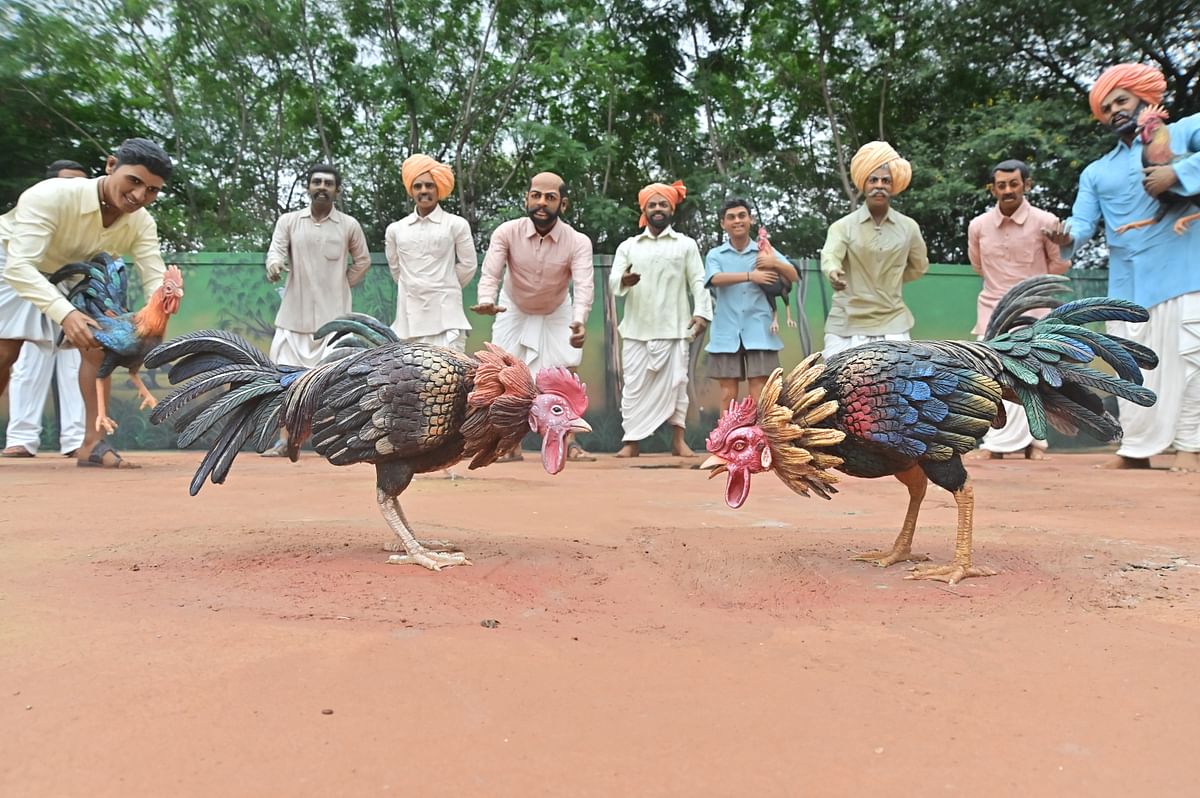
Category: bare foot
[1120,463]
[1035,453]
[682,450]
[983,454]
[629,450]
[1186,462]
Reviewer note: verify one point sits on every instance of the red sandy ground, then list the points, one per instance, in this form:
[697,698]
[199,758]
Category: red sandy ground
[652,642]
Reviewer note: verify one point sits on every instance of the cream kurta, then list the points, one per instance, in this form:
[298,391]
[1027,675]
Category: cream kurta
[876,261]
[57,222]
[432,258]
[318,281]
[657,308]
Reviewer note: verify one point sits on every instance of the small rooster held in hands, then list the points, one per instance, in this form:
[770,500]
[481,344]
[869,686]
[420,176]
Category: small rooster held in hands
[911,409]
[405,408]
[125,336]
[1156,151]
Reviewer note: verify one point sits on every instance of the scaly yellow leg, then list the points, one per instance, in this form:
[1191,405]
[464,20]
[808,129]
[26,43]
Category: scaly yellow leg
[916,482]
[962,567]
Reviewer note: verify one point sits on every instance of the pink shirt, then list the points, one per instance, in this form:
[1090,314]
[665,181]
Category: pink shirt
[539,268]
[1004,250]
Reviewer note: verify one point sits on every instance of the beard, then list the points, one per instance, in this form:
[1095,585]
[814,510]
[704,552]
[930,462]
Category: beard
[1123,125]
[550,218]
[660,220]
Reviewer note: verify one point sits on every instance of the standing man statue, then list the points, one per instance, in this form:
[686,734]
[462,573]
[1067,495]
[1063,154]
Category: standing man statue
[655,271]
[870,253]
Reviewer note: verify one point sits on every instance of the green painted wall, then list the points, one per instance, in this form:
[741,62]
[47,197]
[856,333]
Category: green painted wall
[229,291]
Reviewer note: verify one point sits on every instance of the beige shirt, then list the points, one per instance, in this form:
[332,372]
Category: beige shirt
[57,222]
[657,308]
[432,259]
[877,261]
[318,281]
[539,268]
[1005,250]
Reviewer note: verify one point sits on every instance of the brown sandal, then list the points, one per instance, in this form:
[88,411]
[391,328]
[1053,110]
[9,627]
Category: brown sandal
[96,458]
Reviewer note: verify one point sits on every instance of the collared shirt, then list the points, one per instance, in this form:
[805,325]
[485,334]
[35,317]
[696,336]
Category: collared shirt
[432,258]
[876,261]
[57,222]
[1152,264]
[539,268]
[657,307]
[742,315]
[1005,250]
[318,281]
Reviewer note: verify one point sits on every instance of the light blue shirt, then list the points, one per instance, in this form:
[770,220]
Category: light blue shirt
[1151,264]
[743,313]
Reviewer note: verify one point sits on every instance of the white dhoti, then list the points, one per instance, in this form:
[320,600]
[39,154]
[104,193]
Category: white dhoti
[19,319]
[450,339]
[655,389]
[1013,436]
[291,348]
[27,396]
[541,342]
[1173,332]
[836,343]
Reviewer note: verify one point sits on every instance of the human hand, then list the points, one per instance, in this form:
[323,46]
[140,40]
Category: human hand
[275,270]
[77,327]
[696,327]
[1059,235]
[630,278]
[763,276]
[837,279]
[765,260]
[774,326]
[792,323]
[578,334]
[1158,179]
[488,309]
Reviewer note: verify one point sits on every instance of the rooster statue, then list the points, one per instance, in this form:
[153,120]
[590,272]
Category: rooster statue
[405,408]
[1156,151]
[911,409]
[102,293]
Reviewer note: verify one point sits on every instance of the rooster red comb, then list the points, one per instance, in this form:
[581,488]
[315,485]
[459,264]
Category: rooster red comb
[1152,112]
[740,414]
[173,275]
[567,385]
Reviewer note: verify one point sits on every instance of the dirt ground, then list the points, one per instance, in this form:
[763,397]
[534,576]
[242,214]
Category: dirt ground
[252,641]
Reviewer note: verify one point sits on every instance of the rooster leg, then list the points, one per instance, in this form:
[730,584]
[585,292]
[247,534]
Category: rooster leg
[1181,224]
[1135,225]
[148,399]
[916,482]
[962,567]
[103,422]
[415,552]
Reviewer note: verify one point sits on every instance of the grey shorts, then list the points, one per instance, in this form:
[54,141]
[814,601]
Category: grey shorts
[742,365]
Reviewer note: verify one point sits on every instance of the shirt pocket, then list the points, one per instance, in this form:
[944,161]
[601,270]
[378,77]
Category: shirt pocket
[333,250]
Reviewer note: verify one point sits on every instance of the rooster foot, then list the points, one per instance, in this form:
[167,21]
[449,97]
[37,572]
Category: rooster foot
[950,574]
[106,425]
[148,401]
[433,560]
[431,545]
[885,558]
[1134,226]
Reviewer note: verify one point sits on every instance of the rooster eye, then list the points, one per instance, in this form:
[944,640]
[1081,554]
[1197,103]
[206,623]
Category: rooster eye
[739,445]
[557,410]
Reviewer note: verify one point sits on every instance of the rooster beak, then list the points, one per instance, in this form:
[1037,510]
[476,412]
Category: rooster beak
[712,462]
[579,425]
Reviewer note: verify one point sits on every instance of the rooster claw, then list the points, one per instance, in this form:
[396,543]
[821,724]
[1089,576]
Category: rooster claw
[433,560]
[885,558]
[950,574]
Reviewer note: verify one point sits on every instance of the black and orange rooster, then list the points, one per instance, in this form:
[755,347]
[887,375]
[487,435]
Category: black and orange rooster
[911,409]
[126,336]
[405,408]
[1156,151]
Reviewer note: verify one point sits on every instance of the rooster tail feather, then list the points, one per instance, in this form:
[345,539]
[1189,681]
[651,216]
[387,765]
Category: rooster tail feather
[366,327]
[1046,365]
[206,361]
[1033,293]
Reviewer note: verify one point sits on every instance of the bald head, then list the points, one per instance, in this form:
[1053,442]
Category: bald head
[547,198]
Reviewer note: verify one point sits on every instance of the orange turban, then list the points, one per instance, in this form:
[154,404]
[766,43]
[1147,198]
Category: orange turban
[418,165]
[1144,82]
[875,154]
[673,194]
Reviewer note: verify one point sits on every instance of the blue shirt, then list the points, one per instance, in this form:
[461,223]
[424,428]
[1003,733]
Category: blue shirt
[743,313]
[1151,264]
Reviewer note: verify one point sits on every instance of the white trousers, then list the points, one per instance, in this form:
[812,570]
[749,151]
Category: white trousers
[541,342]
[27,392]
[291,348]
[836,343]
[655,386]
[1173,332]
[450,339]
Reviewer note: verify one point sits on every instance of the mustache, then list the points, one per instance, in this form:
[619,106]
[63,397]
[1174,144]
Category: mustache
[879,192]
